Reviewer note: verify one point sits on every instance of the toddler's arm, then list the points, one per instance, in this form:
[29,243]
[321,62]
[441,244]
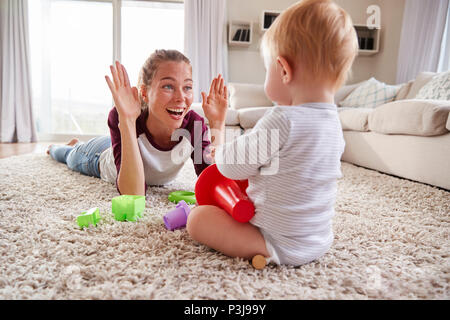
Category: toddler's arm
[256,152]
[215,108]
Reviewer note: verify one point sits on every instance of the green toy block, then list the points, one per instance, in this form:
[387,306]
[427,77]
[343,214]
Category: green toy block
[92,216]
[128,207]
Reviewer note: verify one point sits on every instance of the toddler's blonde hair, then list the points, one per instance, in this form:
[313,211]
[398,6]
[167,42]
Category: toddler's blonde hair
[319,34]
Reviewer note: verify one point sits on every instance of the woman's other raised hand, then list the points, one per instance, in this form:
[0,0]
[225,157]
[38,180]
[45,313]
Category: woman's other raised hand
[125,97]
[216,103]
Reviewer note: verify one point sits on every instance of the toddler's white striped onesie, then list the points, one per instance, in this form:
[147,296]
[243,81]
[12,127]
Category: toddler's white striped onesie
[291,159]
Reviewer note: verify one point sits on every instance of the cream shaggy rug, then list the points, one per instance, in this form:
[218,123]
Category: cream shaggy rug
[391,242]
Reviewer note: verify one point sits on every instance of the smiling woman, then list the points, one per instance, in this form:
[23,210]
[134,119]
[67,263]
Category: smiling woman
[165,85]
[143,126]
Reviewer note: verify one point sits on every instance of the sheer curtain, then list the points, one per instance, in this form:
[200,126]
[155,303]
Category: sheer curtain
[421,37]
[17,123]
[205,41]
[444,60]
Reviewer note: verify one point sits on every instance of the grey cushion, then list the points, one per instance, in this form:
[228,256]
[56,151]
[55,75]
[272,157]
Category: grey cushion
[421,79]
[245,95]
[404,90]
[448,122]
[344,91]
[413,117]
[438,88]
[355,119]
[232,118]
[249,116]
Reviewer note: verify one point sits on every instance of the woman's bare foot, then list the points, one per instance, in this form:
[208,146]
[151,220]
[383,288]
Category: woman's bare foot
[72,142]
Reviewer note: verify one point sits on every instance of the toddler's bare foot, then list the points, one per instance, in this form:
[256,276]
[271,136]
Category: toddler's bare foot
[72,142]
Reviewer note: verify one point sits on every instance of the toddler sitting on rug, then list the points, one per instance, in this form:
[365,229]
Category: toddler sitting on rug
[143,126]
[308,52]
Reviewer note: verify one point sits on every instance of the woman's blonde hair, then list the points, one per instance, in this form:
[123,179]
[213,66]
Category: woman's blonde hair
[319,34]
[151,65]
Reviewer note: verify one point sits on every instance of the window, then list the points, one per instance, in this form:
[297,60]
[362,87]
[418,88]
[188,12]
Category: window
[72,45]
[147,26]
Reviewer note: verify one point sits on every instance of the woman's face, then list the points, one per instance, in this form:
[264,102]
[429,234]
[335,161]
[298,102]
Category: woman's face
[170,94]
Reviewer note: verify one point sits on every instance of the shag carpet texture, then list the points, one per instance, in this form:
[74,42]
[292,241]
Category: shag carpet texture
[391,242]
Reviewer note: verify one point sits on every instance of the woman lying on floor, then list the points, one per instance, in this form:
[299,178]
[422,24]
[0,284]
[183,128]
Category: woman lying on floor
[143,140]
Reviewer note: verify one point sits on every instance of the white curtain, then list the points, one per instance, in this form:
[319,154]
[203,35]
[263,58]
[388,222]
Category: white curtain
[421,37]
[17,123]
[205,42]
[444,60]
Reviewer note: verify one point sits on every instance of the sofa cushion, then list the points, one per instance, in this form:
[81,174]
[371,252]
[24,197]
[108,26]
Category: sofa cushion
[230,132]
[448,122]
[404,90]
[248,117]
[421,79]
[413,117]
[245,95]
[438,88]
[355,119]
[232,118]
[247,130]
[344,91]
[370,94]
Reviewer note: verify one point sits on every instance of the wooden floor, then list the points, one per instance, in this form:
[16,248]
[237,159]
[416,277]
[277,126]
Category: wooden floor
[16,149]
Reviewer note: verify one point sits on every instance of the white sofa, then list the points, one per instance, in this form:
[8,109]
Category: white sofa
[405,137]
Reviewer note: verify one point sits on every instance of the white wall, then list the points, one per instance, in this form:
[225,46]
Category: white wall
[385,63]
[245,63]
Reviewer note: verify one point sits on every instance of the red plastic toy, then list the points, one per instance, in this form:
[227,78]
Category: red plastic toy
[212,188]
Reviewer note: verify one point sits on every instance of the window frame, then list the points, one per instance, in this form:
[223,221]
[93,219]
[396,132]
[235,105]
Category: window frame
[116,55]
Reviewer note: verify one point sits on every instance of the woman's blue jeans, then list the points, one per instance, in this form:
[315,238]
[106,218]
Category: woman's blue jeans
[82,157]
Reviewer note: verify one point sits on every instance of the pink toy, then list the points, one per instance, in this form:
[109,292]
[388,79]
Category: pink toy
[212,188]
[177,218]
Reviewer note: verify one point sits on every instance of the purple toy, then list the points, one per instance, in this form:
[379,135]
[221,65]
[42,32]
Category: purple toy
[177,218]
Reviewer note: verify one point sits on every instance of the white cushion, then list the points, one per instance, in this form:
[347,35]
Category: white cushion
[230,131]
[344,91]
[370,94]
[421,79]
[232,118]
[245,95]
[438,88]
[448,122]
[355,119]
[248,117]
[404,90]
[413,117]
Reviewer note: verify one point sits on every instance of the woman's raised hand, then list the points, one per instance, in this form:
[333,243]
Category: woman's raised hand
[216,103]
[125,97]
